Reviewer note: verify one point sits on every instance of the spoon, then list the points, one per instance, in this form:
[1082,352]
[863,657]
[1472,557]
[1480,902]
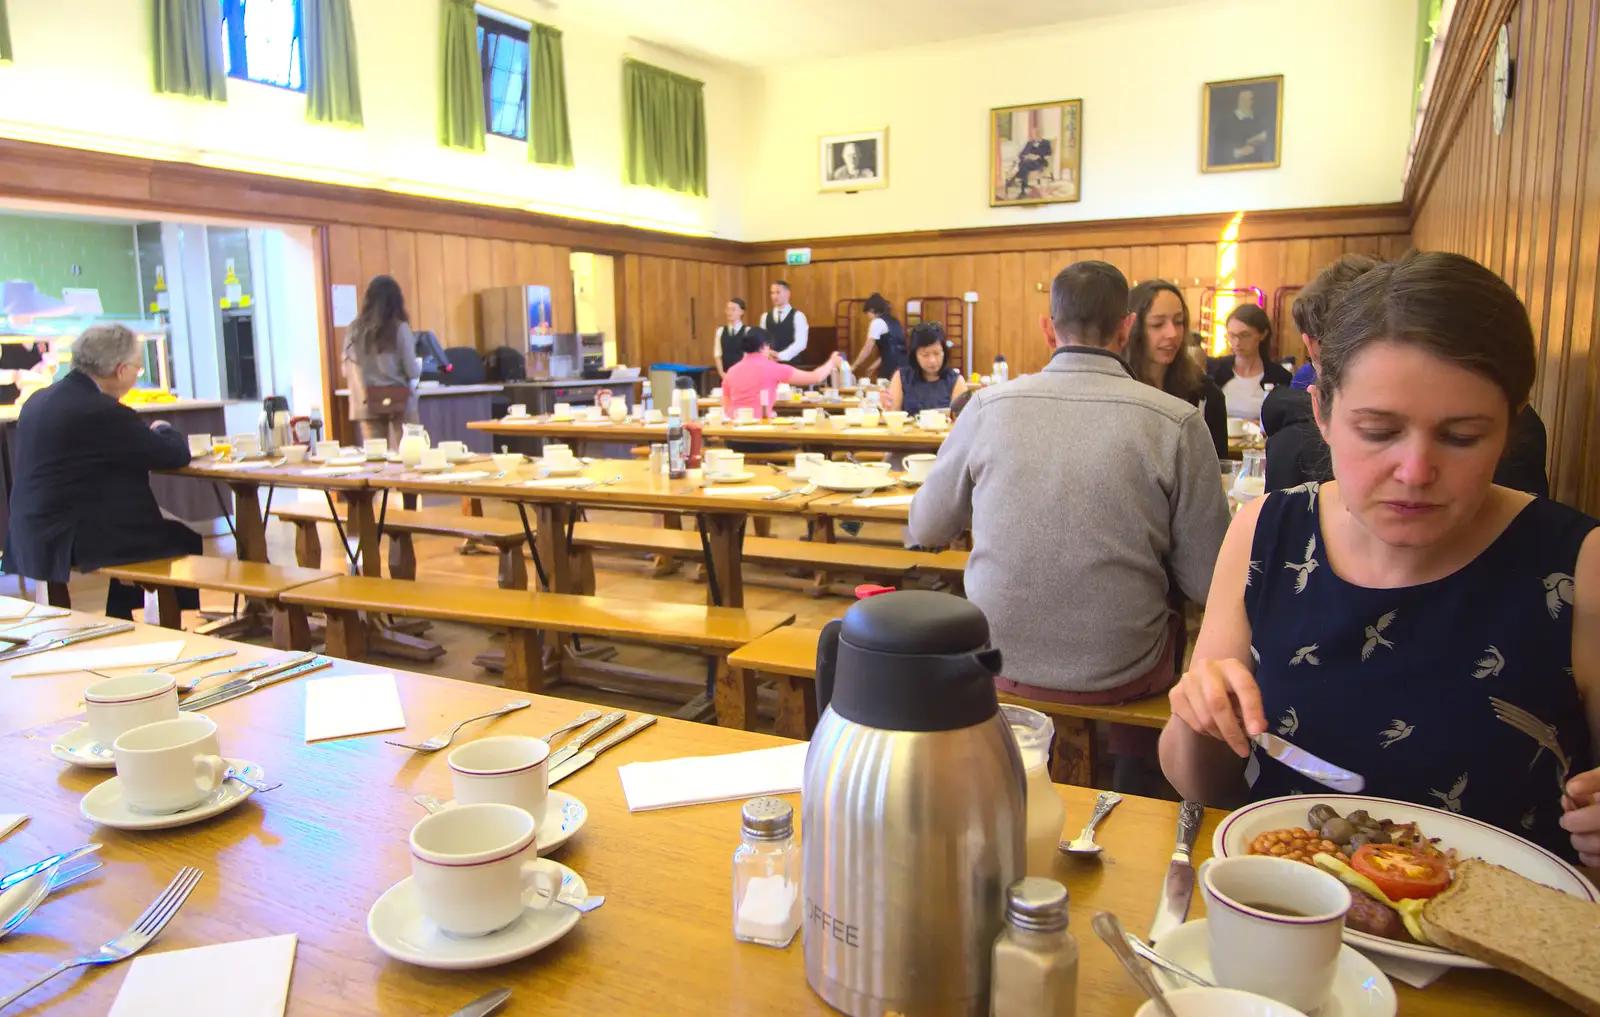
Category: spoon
[251,781]
[1149,953]
[1108,928]
[1083,845]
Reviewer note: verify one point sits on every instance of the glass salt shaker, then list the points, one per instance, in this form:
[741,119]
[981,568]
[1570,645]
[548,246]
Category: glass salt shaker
[766,875]
[1035,971]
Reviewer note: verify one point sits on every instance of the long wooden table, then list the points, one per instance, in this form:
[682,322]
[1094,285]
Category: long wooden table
[781,432]
[311,858]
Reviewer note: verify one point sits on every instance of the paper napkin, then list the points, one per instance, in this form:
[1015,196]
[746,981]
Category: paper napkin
[1417,974]
[331,471]
[741,490]
[700,779]
[69,659]
[245,979]
[12,608]
[887,499]
[351,705]
[10,821]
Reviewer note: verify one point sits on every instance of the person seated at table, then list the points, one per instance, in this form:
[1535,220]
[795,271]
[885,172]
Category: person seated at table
[758,373]
[884,352]
[80,494]
[1091,498]
[1373,620]
[1158,355]
[929,382]
[1243,375]
[1295,450]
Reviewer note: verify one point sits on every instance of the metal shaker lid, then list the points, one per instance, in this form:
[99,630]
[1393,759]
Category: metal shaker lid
[1037,904]
[768,818]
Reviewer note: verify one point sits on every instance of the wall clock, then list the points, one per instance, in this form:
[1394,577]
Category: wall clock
[1504,73]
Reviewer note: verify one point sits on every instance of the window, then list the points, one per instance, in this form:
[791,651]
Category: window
[261,42]
[503,54]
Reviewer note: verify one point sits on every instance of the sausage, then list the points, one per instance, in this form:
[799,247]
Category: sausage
[1371,915]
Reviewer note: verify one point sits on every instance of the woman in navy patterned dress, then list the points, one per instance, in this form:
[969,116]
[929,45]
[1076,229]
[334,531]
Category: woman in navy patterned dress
[1376,619]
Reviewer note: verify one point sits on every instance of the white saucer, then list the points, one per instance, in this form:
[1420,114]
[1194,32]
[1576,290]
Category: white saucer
[1360,989]
[105,804]
[469,457]
[865,485]
[396,926]
[730,478]
[910,481]
[564,469]
[431,469]
[79,749]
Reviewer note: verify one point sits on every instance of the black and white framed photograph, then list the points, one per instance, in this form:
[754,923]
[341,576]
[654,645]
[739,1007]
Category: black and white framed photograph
[855,161]
[1241,124]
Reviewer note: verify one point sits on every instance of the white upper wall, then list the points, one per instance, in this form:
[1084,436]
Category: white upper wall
[82,78]
[1347,67]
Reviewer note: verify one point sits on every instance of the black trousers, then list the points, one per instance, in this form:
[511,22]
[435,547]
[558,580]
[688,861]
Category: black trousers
[122,598]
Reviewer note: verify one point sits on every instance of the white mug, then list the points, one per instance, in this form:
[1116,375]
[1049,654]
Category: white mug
[199,445]
[510,769]
[454,449]
[930,420]
[434,459]
[169,766]
[375,448]
[920,465]
[115,705]
[808,416]
[1274,927]
[727,462]
[895,420]
[245,445]
[852,415]
[654,417]
[327,450]
[517,410]
[715,417]
[294,453]
[746,415]
[560,409]
[808,463]
[869,416]
[476,868]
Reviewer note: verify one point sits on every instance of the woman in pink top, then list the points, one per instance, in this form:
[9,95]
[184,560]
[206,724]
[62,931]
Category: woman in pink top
[758,372]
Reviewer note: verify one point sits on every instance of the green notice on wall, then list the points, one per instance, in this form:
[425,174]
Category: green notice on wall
[44,251]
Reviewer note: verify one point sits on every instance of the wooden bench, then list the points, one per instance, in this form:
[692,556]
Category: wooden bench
[255,580]
[790,655]
[506,535]
[713,631]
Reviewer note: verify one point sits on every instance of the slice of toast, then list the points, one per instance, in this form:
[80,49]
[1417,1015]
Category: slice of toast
[1547,937]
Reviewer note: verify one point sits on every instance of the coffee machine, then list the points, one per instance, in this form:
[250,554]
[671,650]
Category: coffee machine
[913,810]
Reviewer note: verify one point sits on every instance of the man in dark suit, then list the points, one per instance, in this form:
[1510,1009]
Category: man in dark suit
[81,496]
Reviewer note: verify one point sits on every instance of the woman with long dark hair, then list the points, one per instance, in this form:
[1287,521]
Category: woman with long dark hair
[1244,375]
[928,382]
[1157,353]
[381,365]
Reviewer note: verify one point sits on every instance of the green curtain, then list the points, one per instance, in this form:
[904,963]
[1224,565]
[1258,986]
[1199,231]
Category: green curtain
[664,129]
[549,140]
[333,81]
[1428,14]
[5,34]
[187,55]
[460,78]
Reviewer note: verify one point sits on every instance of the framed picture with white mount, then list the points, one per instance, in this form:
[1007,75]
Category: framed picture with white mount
[858,161]
[1504,78]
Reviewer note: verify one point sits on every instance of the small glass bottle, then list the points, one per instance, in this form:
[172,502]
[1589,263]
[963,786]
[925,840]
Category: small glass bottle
[766,875]
[1035,972]
[677,448]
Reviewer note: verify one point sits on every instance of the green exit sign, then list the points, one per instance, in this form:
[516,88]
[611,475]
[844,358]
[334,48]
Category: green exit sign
[798,256]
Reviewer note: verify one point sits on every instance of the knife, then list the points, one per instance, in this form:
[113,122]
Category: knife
[77,636]
[244,680]
[1173,907]
[577,762]
[8,881]
[1304,763]
[283,672]
[600,727]
[484,1005]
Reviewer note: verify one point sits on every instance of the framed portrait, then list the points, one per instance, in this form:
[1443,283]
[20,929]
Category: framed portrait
[1036,153]
[857,161]
[1241,124]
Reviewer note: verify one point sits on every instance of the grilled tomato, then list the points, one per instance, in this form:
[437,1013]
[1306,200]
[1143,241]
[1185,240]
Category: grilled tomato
[1401,872]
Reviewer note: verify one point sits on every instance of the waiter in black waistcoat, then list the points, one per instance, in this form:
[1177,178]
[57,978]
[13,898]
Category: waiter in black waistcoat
[81,498]
[784,324]
[727,344]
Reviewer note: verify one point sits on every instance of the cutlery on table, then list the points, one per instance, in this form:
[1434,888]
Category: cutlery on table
[188,661]
[1150,955]
[188,684]
[578,721]
[1307,765]
[138,935]
[1539,731]
[439,741]
[570,749]
[583,904]
[11,879]
[1083,844]
[17,903]
[1109,929]
[250,779]
[1178,887]
[429,803]
[67,638]
[484,1005]
[578,760]
[246,685]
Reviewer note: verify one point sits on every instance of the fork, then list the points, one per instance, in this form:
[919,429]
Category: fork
[145,928]
[582,719]
[1539,731]
[439,741]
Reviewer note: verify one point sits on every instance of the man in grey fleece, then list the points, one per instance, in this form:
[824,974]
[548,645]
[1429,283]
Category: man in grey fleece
[1088,494]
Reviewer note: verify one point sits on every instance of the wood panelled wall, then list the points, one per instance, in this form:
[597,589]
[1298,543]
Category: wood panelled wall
[1526,202]
[669,307]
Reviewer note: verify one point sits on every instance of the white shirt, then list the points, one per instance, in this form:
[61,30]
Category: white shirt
[877,328]
[800,330]
[1244,396]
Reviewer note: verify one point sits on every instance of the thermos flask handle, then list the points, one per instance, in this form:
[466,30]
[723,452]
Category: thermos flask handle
[827,659]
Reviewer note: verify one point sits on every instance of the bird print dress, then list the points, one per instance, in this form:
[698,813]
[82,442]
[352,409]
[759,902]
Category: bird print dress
[1402,685]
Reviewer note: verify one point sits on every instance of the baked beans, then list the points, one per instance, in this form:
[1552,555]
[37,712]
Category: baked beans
[1294,843]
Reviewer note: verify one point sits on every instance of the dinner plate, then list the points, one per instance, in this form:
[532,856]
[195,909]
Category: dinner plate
[730,478]
[106,806]
[1470,837]
[431,469]
[561,469]
[1360,989]
[859,486]
[80,749]
[397,927]
[345,461]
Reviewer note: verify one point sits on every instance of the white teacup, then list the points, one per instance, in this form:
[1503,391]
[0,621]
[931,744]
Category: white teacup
[245,445]
[560,409]
[715,417]
[454,449]
[852,415]
[808,463]
[508,462]
[434,459]
[199,445]
[1274,927]
[637,411]
[327,450]
[726,462]
[510,769]
[171,765]
[475,868]
[653,416]
[746,415]
[895,420]
[294,453]
[808,415]
[920,465]
[838,474]
[716,393]
[930,420]
[375,448]
[869,416]
[115,705]
[517,410]
[830,394]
